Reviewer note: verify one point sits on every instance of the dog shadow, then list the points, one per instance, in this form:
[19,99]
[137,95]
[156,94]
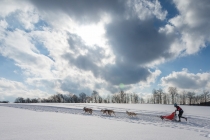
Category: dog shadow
[133,118]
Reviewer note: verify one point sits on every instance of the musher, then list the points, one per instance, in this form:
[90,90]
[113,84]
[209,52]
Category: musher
[180,112]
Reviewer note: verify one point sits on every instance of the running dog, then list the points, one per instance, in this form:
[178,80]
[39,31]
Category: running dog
[107,111]
[89,110]
[132,114]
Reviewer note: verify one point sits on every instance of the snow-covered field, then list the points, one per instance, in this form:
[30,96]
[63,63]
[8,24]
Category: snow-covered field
[68,121]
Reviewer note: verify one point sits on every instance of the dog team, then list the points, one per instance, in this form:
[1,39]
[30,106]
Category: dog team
[108,112]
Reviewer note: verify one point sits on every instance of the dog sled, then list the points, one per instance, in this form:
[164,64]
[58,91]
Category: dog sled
[171,117]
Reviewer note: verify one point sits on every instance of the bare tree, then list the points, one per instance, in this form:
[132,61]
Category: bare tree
[183,98]
[19,100]
[108,99]
[190,96]
[28,100]
[75,99]
[116,98]
[88,99]
[94,96]
[173,92]
[164,98]
[59,98]
[142,101]
[205,95]
[34,100]
[100,99]
[67,98]
[127,98]
[160,94]
[82,97]
[151,99]
[155,95]
[135,98]
[122,96]
[197,99]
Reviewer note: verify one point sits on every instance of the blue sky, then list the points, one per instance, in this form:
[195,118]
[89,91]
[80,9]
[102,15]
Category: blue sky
[74,46]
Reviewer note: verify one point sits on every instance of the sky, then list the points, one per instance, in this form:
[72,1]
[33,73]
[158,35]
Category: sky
[71,46]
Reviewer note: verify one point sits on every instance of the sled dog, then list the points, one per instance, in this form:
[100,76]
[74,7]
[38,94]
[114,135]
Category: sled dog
[107,111]
[132,114]
[89,110]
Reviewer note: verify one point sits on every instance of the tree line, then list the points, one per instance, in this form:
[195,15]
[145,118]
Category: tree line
[157,97]
[4,101]
[120,97]
[184,97]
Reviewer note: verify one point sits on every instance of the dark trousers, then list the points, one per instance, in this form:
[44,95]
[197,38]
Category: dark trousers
[180,114]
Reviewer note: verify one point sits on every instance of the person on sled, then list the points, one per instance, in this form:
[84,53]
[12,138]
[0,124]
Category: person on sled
[180,112]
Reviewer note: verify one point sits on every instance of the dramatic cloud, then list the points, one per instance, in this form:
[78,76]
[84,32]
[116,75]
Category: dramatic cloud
[137,42]
[79,46]
[91,59]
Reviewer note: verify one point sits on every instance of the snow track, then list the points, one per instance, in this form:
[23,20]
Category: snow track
[196,124]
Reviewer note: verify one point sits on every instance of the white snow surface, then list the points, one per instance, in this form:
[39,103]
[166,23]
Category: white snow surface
[64,121]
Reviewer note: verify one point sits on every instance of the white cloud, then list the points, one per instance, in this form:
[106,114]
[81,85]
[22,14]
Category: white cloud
[151,79]
[146,9]
[16,89]
[3,24]
[7,7]
[185,80]
[17,46]
[191,25]
[28,18]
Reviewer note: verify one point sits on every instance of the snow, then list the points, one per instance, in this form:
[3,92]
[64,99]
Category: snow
[68,121]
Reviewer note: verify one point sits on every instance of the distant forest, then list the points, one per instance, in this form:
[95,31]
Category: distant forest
[157,97]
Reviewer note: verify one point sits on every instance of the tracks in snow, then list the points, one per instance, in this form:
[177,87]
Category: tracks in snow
[144,117]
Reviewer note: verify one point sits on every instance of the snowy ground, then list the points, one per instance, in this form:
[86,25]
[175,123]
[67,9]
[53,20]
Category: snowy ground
[68,121]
